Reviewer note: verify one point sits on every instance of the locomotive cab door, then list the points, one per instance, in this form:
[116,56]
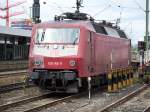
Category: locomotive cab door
[92,52]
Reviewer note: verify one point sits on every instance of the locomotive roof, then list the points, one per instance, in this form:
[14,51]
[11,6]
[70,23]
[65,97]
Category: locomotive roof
[76,23]
[90,25]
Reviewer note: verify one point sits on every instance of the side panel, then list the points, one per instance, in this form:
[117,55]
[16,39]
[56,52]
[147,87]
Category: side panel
[107,53]
[111,53]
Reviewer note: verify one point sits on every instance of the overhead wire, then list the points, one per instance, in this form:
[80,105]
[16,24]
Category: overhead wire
[120,6]
[128,25]
[59,7]
[56,5]
[140,7]
[106,8]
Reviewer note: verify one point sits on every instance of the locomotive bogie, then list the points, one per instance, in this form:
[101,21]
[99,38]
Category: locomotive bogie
[56,80]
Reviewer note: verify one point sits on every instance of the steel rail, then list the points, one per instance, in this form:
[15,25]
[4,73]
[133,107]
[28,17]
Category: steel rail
[147,109]
[12,67]
[52,103]
[34,109]
[14,86]
[37,98]
[21,102]
[58,101]
[40,107]
[124,99]
[12,73]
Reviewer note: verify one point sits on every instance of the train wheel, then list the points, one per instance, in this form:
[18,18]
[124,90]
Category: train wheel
[36,82]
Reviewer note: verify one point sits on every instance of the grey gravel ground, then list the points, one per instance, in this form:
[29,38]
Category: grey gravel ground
[137,104]
[98,101]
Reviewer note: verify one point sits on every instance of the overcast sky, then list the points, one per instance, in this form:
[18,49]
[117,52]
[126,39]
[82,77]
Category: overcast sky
[131,12]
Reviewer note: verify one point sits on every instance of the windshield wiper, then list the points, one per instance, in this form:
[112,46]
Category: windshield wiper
[42,37]
[37,38]
[74,42]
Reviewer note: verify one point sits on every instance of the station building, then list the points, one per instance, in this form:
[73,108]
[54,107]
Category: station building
[14,43]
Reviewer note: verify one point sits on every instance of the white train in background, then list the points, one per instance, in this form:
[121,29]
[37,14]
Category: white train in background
[135,58]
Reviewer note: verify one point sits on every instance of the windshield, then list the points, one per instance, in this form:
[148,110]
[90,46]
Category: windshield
[57,35]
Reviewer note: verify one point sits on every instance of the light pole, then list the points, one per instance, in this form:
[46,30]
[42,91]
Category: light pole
[36,11]
[146,39]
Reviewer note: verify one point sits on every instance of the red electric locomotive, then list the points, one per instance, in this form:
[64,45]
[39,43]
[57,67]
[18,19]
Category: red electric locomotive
[65,52]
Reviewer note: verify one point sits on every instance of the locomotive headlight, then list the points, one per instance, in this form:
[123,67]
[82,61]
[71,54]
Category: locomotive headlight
[72,63]
[38,62]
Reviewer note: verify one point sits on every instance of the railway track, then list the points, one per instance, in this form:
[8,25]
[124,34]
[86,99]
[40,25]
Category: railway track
[14,86]
[12,73]
[13,80]
[124,99]
[37,103]
[41,101]
[147,109]
[21,102]
[13,65]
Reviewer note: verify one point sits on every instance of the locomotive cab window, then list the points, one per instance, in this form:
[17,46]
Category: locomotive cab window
[122,34]
[58,35]
[99,29]
[112,32]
